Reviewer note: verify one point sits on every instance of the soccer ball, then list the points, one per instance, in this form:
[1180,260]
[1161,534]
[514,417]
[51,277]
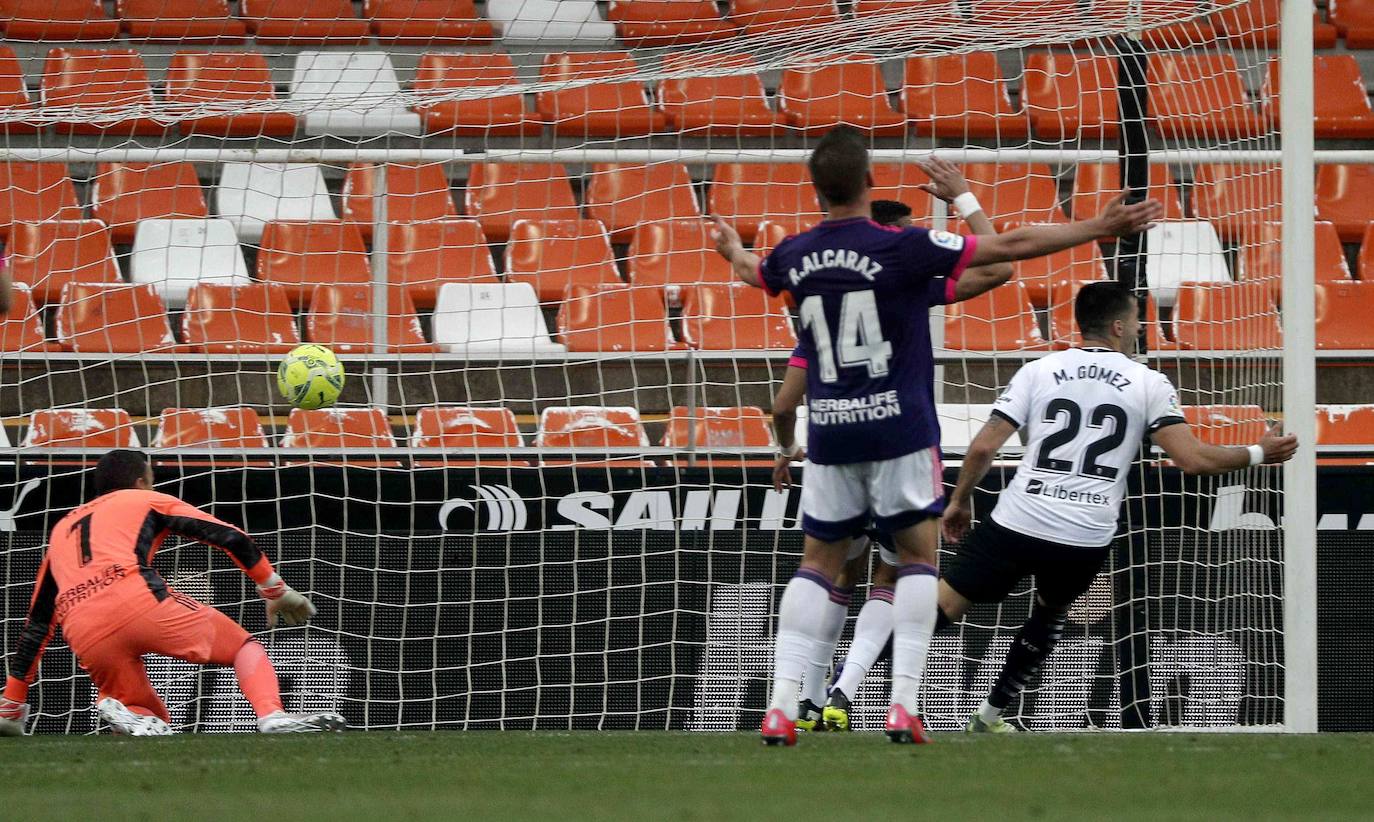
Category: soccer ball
[310,377]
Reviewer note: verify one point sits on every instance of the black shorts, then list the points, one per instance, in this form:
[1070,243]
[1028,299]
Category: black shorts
[993,559]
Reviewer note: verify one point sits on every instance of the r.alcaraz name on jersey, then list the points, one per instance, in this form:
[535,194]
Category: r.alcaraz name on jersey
[1085,411]
[863,294]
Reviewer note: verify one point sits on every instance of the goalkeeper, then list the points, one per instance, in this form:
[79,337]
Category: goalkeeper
[98,582]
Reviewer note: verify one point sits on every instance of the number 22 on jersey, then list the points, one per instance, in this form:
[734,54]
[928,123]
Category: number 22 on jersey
[860,340]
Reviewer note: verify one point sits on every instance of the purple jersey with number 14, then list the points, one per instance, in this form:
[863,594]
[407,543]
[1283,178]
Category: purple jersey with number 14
[862,292]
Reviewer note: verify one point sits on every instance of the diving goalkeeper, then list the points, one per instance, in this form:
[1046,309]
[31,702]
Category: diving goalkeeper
[98,582]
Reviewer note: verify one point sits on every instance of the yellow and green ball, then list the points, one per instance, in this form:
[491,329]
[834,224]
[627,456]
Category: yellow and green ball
[310,377]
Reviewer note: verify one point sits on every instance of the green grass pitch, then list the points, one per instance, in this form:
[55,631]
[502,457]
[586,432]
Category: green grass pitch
[679,776]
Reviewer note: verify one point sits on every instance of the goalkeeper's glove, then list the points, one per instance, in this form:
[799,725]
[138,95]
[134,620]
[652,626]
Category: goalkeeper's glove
[14,717]
[286,602]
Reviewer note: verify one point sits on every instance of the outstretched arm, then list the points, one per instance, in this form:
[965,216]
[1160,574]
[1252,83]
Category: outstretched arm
[1194,456]
[729,245]
[947,183]
[23,663]
[977,461]
[1117,219]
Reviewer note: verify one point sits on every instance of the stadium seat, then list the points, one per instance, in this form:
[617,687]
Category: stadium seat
[540,21]
[838,90]
[250,195]
[500,194]
[1097,184]
[104,86]
[351,94]
[502,115]
[1064,329]
[899,182]
[338,428]
[924,16]
[47,256]
[999,320]
[298,256]
[1080,264]
[756,17]
[221,83]
[1071,95]
[1339,200]
[22,328]
[491,319]
[1341,110]
[233,427]
[1354,20]
[422,22]
[1255,23]
[414,193]
[239,319]
[746,194]
[1344,313]
[424,256]
[587,426]
[624,196]
[1226,317]
[35,193]
[80,428]
[340,317]
[458,427]
[960,95]
[608,108]
[649,23]
[676,253]
[1200,95]
[56,20]
[613,318]
[1365,261]
[1178,252]
[1127,15]
[1345,424]
[173,255]
[1236,199]
[961,422]
[705,428]
[1261,258]
[551,255]
[161,21]
[303,22]
[730,105]
[1015,192]
[124,194]
[1230,425]
[14,95]
[734,317]
[123,319]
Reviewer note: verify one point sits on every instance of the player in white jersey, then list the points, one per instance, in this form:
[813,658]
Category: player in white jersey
[1085,412]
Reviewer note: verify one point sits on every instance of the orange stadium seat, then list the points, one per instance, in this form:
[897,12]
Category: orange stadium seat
[500,115]
[1196,31]
[1261,258]
[1080,264]
[1365,261]
[648,23]
[719,427]
[676,252]
[1339,200]
[746,194]
[500,194]
[424,256]
[590,426]
[1200,96]
[414,193]
[1015,192]
[299,255]
[35,193]
[338,428]
[233,427]
[734,316]
[1255,23]
[303,22]
[47,256]
[1231,425]
[22,328]
[1070,95]
[900,182]
[80,428]
[1344,310]
[14,96]
[224,82]
[960,95]
[551,255]
[926,16]
[1345,424]
[104,84]
[718,106]
[1354,20]
[122,194]
[1226,317]
[849,90]
[340,317]
[999,320]
[1237,199]
[624,196]
[1096,184]
[1341,110]
[772,16]
[458,427]
[239,319]
[613,318]
[427,21]
[608,108]
[1064,329]
[124,319]
[164,21]
[47,20]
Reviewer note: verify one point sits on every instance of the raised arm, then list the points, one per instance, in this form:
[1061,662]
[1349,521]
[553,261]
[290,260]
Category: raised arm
[959,508]
[947,183]
[744,262]
[1193,456]
[1117,219]
[28,652]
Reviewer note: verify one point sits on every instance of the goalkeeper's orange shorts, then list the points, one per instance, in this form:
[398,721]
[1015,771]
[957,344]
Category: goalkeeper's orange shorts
[179,627]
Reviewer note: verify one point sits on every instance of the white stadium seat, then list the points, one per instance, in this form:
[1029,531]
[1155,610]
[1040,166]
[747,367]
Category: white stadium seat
[491,319]
[550,20]
[350,94]
[173,255]
[1183,252]
[251,195]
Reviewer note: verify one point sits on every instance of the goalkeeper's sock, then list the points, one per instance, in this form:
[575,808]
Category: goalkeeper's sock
[871,632]
[799,618]
[913,621]
[1028,652]
[257,678]
[823,651]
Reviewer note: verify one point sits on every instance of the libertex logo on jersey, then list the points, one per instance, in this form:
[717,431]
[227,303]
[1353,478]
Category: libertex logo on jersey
[501,508]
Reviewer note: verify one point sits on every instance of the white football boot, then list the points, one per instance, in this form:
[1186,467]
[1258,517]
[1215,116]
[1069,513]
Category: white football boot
[280,722]
[128,723]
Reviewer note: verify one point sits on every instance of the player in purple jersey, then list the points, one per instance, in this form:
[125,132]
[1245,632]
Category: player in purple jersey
[873,442]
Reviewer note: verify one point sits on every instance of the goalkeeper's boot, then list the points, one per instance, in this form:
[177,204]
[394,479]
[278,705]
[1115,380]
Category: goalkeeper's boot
[778,729]
[280,722]
[836,713]
[809,716]
[126,722]
[977,725]
[903,728]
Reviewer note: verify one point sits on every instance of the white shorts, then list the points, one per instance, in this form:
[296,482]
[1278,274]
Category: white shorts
[840,501]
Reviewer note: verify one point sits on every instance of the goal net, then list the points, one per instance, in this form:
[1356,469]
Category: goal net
[543,500]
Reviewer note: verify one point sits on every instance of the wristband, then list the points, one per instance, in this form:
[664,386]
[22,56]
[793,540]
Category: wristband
[790,451]
[272,588]
[1256,454]
[967,204]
